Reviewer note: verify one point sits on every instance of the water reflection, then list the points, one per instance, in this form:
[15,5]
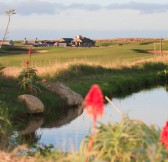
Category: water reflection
[33,124]
[72,113]
[150,106]
[61,132]
[28,126]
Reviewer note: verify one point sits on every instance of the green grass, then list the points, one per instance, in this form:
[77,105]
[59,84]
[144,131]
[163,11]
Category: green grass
[103,55]
[114,82]
[113,55]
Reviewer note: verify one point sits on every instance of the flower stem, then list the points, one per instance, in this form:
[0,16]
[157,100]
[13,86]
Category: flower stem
[91,141]
[114,106]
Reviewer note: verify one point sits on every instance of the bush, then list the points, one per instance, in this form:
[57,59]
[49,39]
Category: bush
[164,75]
[29,81]
[128,141]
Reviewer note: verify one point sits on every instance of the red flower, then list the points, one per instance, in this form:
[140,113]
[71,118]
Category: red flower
[94,102]
[43,146]
[164,136]
[27,63]
[29,51]
[43,80]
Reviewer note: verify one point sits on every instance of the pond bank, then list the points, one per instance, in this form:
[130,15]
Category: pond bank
[113,82]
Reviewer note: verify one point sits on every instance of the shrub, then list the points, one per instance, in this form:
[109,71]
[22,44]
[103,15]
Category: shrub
[41,151]
[29,81]
[164,75]
[128,141]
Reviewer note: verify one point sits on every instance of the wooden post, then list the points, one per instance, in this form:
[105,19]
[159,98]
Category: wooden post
[155,48]
[161,51]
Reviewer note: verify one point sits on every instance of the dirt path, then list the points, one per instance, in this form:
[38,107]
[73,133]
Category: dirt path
[40,51]
[158,58]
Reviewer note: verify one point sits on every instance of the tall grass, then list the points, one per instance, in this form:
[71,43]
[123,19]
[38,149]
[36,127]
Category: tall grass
[55,68]
[5,127]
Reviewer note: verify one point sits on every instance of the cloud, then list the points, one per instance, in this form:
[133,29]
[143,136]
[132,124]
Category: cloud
[142,7]
[90,7]
[33,7]
[37,7]
[43,7]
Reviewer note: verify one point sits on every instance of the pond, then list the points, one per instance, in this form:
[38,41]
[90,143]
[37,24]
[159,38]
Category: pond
[150,106]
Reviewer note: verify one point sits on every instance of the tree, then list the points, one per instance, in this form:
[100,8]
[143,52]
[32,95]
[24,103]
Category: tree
[8,13]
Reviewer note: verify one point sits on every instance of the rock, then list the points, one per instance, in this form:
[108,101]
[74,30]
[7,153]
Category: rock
[33,103]
[72,98]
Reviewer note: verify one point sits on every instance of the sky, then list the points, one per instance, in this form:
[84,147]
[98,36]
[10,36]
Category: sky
[97,19]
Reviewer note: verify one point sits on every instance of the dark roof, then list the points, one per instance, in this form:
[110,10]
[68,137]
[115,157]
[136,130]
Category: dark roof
[83,39]
[65,40]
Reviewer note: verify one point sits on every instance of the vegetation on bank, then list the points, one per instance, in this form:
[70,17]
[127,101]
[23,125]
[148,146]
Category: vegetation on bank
[113,82]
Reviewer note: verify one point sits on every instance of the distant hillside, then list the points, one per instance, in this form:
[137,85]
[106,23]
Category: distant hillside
[126,40]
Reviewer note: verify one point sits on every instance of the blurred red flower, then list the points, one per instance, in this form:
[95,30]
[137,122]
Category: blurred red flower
[27,63]
[94,102]
[43,80]
[29,51]
[164,136]
[43,146]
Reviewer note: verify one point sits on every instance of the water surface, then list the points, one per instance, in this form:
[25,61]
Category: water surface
[150,106]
